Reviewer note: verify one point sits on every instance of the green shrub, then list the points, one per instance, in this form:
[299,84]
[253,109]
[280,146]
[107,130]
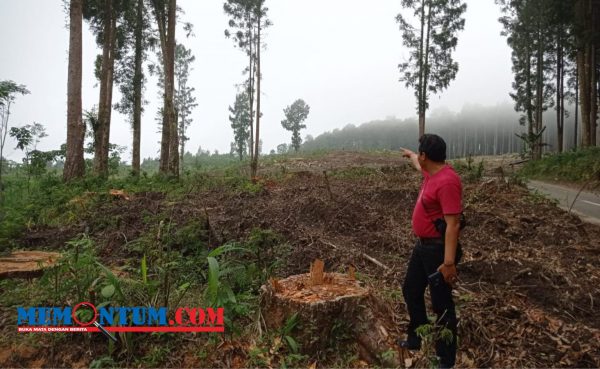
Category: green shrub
[575,166]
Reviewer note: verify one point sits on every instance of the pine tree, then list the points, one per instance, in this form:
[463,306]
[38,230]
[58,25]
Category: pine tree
[138,37]
[185,101]
[240,119]
[527,25]
[295,115]
[106,22]
[248,20]
[430,67]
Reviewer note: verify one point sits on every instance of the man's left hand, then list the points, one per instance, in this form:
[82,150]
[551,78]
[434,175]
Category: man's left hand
[450,274]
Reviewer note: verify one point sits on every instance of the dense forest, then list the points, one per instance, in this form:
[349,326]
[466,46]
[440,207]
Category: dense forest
[475,130]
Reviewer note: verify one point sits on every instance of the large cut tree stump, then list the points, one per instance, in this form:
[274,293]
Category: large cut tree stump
[26,264]
[330,307]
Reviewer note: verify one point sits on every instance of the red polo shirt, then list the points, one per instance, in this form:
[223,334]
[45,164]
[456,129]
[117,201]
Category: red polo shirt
[440,194]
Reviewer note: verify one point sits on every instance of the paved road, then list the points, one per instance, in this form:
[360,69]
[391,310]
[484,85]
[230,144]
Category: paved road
[587,204]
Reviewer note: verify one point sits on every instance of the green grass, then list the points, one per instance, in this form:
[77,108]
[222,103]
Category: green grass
[570,166]
[47,201]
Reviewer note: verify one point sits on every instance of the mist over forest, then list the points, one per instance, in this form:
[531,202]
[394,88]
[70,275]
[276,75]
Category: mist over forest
[475,130]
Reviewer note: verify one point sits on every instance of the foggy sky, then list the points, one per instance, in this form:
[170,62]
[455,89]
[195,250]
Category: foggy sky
[340,56]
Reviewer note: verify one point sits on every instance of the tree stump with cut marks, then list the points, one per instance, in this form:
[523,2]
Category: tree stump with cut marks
[330,307]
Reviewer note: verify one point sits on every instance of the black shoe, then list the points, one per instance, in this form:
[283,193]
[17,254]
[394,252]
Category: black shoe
[407,344]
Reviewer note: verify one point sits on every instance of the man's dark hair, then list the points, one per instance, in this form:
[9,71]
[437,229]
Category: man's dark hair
[433,146]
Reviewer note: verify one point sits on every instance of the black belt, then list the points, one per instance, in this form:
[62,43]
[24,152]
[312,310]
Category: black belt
[431,241]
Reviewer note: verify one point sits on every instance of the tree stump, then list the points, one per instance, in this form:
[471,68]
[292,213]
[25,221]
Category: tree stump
[330,307]
[26,264]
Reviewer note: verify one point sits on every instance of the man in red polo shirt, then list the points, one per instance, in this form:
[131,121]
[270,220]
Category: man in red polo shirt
[439,201]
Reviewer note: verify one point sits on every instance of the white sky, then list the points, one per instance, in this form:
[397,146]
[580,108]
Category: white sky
[340,56]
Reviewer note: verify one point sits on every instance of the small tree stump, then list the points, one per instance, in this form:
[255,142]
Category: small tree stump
[329,307]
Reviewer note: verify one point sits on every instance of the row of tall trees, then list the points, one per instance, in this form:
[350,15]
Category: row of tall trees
[555,63]
[248,21]
[125,30]
[473,131]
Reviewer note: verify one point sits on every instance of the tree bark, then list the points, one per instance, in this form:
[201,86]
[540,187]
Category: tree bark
[74,164]
[138,79]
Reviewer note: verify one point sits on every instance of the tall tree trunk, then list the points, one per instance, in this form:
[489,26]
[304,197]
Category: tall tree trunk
[101,136]
[425,66]
[98,133]
[159,11]
[562,100]
[583,10]
[254,166]
[172,121]
[575,128]
[539,99]
[584,91]
[169,143]
[110,84]
[138,79]
[421,111]
[559,95]
[529,105]
[74,164]
[181,119]
[593,96]
[251,73]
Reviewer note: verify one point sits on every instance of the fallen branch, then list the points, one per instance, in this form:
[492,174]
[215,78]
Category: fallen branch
[518,162]
[592,178]
[369,258]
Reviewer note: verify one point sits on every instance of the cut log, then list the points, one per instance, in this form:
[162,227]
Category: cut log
[338,304]
[26,263]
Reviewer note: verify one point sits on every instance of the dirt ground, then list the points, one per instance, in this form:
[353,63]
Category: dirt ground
[529,290]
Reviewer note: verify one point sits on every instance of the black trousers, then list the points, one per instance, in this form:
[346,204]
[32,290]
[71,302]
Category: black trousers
[425,260]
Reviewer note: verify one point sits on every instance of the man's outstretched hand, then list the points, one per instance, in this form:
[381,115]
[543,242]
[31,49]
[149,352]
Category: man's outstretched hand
[407,153]
[414,159]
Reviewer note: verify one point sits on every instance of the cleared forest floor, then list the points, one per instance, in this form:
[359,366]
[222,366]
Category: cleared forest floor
[530,282]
